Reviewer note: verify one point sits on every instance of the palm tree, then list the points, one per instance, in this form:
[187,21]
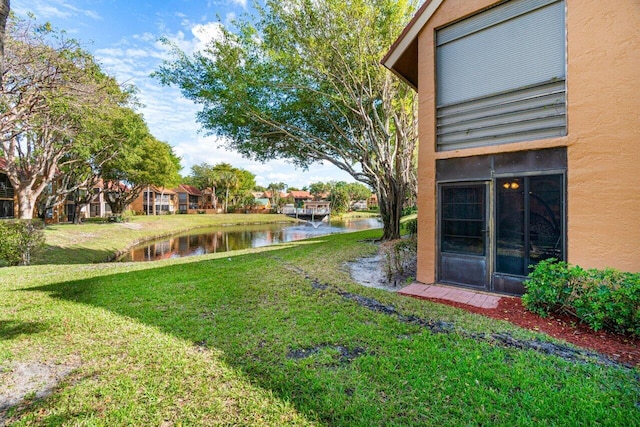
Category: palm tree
[229,181]
[275,189]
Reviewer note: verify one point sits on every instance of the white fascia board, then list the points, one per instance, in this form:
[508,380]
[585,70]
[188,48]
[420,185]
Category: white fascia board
[412,33]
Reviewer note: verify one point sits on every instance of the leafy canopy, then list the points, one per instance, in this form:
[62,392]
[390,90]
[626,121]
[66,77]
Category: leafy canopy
[304,83]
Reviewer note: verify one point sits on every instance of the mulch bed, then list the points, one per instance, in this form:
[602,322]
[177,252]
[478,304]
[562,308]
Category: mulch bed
[625,350]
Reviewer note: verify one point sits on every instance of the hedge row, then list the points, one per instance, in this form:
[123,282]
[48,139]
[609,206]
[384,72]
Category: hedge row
[603,299]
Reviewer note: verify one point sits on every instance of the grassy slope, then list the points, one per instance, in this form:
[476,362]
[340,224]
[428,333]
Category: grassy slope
[267,337]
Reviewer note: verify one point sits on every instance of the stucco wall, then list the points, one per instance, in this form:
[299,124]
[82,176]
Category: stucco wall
[604,131]
[603,80]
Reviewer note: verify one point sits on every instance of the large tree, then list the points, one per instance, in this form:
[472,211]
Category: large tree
[304,83]
[103,135]
[50,91]
[143,161]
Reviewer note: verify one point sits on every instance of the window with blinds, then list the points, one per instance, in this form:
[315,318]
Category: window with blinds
[500,75]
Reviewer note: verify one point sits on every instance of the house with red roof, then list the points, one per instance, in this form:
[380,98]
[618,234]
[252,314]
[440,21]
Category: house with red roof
[300,197]
[189,198]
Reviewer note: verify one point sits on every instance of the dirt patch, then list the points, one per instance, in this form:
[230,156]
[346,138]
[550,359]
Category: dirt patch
[20,381]
[371,272]
[345,355]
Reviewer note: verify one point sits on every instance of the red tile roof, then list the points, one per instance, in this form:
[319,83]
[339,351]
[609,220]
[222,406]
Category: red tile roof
[300,194]
[190,189]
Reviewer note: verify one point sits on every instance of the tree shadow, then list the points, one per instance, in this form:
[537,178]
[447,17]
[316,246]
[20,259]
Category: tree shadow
[182,301]
[10,329]
[58,255]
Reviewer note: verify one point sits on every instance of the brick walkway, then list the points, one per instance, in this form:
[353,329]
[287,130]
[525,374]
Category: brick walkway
[464,296]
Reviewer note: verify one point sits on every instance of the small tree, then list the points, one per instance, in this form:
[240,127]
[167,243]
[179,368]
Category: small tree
[20,240]
[339,199]
[319,189]
[142,161]
[276,188]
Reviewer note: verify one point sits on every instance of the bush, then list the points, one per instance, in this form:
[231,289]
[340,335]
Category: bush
[20,241]
[411,227]
[94,220]
[399,258]
[410,210]
[603,299]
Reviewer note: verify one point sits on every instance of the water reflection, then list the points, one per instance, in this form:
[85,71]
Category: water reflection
[222,239]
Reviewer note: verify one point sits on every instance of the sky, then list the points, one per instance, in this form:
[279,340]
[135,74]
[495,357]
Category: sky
[123,36]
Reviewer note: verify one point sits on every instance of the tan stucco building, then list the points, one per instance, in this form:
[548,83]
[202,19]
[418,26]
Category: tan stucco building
[529,116]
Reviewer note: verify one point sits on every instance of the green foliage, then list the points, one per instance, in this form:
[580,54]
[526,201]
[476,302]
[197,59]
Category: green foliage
[20,241]
[411,227]
[409,210]
[339,199]
[603,299]
[298,83]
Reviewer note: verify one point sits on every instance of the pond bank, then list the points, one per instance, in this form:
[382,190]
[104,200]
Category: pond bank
[95,243]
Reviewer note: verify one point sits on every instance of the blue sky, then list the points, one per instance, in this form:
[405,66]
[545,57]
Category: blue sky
[123,36]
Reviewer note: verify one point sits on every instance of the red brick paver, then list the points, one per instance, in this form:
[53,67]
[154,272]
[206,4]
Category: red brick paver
[464,296]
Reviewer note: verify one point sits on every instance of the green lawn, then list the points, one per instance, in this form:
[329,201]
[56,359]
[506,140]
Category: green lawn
[278,336]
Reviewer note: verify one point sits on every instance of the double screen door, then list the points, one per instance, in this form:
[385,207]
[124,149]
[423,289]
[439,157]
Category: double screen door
[490,239]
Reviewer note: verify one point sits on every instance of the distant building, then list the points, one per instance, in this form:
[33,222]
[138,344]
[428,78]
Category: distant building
[300,197]
[155,201]
[359,205]
[189,198]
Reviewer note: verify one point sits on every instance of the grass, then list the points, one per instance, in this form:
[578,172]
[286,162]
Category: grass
[278,336]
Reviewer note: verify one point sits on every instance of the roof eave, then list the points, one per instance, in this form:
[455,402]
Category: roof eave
[402,58]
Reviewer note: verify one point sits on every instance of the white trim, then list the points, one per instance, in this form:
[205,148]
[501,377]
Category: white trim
[411,35]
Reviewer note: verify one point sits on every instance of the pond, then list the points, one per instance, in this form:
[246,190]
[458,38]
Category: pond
[232,238]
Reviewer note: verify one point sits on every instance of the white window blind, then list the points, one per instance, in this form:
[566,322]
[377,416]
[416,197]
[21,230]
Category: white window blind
[501,75]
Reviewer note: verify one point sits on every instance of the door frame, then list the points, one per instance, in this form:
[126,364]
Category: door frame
[467,261]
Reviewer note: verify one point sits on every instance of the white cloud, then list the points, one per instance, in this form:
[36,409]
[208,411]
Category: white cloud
[169,115]
[242,3]
[52,9]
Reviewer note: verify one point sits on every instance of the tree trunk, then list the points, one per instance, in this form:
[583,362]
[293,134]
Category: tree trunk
[77,213]
[391,200]
[26,202]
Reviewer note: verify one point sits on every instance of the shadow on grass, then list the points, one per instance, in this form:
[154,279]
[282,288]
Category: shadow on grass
[10,329]
[336,361]
[63,256]
[208,302]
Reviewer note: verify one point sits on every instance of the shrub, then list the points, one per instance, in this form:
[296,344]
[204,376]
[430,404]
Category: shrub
[603,299]
[410,210]
[94,220]
[20,240]
[411,227]
[399,258]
